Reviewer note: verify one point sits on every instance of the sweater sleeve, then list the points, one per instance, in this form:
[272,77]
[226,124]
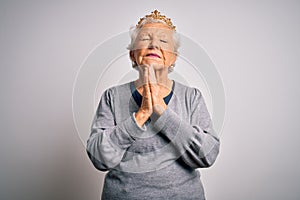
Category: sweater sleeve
[194,138]
[108,141]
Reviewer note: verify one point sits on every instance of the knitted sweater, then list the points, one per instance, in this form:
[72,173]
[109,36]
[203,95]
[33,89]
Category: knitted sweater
[157,160]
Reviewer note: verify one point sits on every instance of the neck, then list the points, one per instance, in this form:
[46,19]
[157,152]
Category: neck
[161,78]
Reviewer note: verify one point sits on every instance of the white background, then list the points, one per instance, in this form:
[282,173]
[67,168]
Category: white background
[254,44]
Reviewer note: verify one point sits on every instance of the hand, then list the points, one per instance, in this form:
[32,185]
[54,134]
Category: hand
[146,108]
[158,103]
[152,96]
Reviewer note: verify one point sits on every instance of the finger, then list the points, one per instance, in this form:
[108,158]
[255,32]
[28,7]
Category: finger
[154,90]
[146,91]
[151,72]
[144,76]
[146,84]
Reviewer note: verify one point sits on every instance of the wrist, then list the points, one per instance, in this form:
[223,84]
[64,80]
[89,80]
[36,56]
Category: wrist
[141,117]
[160,109]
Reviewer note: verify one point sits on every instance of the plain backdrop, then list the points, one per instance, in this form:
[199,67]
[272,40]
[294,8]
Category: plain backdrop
[254,44]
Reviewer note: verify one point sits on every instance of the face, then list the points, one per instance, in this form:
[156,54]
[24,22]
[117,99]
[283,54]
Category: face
[154,45]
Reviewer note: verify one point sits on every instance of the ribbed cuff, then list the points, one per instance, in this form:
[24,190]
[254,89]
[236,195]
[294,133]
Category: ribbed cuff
[174,127]
[131,127]
[127,132]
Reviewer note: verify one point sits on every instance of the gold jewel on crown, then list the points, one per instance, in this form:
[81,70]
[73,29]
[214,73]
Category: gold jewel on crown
[156,15]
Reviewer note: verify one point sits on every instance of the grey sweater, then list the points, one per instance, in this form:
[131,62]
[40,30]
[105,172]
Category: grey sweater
[158,160]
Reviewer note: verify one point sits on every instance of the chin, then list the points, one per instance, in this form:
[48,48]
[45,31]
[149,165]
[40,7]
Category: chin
[159,67]
[155,64]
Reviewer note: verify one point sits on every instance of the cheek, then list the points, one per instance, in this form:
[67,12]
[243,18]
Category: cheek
[170,57]
[137,53]
[167,47]
[140,45]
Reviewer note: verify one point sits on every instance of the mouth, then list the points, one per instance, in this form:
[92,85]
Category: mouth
[153,55]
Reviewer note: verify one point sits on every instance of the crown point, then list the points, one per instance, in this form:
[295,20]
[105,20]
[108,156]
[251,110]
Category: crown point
[156,15]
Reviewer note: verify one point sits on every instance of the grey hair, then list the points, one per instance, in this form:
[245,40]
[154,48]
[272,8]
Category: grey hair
[134,31]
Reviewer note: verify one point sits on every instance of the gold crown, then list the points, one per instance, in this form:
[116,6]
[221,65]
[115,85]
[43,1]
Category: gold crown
[156,15]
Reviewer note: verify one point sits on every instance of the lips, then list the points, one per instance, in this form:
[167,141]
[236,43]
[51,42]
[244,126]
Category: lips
[153,55]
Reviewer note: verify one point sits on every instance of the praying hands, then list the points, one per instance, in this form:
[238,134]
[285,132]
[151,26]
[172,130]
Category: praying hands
[153,93]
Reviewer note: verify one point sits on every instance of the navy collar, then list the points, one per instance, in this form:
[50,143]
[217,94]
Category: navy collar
[138,97]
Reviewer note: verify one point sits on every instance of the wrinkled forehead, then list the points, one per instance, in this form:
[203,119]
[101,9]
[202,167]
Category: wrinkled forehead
[155,29]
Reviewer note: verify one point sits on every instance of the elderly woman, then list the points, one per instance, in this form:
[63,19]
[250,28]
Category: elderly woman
[152,134]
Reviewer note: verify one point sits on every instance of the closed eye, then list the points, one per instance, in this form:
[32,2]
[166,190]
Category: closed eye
[144,37]
[164,41]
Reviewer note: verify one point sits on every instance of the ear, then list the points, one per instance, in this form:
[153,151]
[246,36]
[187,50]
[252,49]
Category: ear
[173,58]
[131,55]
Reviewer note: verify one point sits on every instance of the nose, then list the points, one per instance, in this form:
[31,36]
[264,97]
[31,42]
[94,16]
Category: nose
[153,44]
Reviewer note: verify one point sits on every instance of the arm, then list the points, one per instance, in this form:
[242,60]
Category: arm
[195,138]
[108,141]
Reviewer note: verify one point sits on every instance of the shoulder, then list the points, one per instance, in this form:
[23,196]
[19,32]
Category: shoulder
[110,96]
[113,90]
[187,91]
